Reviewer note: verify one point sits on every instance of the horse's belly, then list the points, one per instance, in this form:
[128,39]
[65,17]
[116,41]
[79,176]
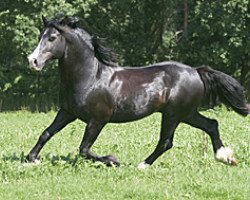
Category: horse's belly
[128,115]
[134,107]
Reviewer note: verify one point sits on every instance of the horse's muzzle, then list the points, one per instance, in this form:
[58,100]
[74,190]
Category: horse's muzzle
[35,64]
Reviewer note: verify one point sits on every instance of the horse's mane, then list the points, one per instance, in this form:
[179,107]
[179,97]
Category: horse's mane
[104,54]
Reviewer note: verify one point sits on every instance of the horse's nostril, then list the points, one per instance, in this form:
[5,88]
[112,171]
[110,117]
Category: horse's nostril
[35,62]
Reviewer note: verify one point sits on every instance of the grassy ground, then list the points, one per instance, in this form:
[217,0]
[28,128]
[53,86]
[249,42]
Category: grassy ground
[187,171]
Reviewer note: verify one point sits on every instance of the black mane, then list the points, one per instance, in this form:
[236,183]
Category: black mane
[102,53]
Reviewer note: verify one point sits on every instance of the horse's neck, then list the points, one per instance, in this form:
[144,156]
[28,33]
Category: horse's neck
[80,73]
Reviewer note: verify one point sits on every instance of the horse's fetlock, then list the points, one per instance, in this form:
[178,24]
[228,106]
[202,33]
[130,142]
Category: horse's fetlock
[83,151]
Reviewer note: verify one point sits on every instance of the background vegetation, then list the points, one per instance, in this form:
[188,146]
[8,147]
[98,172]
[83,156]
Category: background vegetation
[196,32]
[187,171]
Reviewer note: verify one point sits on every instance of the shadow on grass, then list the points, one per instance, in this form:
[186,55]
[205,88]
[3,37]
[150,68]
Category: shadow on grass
[54,160]
[68,159]
[14,157]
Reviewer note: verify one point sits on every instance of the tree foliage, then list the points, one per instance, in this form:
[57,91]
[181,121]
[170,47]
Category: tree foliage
[141,32]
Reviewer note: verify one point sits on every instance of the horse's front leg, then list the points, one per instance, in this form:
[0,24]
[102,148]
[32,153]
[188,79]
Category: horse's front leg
[62,119]
[92,131]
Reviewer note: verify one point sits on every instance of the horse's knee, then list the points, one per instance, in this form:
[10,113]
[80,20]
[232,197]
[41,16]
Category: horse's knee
[44,137]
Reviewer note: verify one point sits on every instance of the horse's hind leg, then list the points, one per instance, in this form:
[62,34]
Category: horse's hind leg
[165,142]
[92,131]
[210,126]
[62,119]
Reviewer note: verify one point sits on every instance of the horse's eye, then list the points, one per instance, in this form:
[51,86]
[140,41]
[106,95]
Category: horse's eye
[52,38]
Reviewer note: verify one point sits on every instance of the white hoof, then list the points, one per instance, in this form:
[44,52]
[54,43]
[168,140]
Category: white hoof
[37,162]
[142,166]
[225,155]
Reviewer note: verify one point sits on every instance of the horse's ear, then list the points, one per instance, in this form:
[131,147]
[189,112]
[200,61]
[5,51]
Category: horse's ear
[45,21]
[72,21]
[75,20]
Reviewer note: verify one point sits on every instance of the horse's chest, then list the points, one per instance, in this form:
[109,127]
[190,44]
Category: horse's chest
[71,103]
[96,103]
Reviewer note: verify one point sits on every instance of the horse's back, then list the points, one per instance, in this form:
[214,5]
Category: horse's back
[141,91]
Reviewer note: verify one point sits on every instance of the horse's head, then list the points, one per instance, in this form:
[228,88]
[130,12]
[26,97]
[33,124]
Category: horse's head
[64,30]
[52,42]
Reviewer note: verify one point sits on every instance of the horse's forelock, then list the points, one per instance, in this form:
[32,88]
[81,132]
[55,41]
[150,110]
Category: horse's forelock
[60,19]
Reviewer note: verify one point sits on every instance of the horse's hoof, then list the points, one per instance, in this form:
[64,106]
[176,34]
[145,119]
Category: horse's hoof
[30,159]
[110,161]
[142,166]
[225,155]
[233,162]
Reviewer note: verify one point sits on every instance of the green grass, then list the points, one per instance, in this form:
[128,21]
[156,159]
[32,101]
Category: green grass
[187,171]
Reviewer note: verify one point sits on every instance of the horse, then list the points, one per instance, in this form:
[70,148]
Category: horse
[96,90]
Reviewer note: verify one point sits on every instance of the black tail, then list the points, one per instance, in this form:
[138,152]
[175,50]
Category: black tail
[225,88]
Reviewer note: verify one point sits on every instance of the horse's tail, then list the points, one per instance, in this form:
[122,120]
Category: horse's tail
[225,88]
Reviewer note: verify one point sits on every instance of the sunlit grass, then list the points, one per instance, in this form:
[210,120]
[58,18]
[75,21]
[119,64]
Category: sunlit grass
[187,171]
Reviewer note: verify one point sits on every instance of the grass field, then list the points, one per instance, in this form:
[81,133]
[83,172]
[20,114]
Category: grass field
[187,171]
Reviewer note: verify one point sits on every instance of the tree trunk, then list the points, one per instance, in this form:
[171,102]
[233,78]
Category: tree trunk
[245,77]
[245,69]
[185,23]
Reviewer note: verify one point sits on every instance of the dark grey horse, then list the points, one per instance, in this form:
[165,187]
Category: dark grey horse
[97,91]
